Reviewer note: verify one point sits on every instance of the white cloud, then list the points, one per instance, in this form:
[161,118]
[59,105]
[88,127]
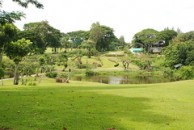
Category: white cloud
[126,17]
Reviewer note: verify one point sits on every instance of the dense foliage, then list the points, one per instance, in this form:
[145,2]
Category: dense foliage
[17,51]
[42,35]
[8,33]
[147,37]
[102,36]
[181,50]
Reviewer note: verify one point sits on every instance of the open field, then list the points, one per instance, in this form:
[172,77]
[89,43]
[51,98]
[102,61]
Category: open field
[93,106]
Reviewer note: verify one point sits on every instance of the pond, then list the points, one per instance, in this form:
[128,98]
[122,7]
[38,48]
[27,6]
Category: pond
[121,79]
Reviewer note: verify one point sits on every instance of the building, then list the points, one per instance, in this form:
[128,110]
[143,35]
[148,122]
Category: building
[157,47]
[136,50]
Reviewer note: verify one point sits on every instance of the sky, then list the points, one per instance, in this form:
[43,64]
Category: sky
[126,17]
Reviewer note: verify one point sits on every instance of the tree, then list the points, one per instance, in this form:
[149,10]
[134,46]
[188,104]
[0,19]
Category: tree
[16,51]
[2,75]
[145,39]
[167,35]
[180,51]
[89,46]
[102,36]
[122,42]
[45,34]
[143,62]
[77,37]
[65,43]
[63,59]
[7,29]
[95,32]
[11,17]
[25,3]
[38,44]
[182,37]
[53,38]
[7,33]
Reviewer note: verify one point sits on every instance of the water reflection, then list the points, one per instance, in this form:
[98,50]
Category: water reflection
[121,79]
[115,80]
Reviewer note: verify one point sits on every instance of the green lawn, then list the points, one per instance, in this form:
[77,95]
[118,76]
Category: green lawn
[93,106]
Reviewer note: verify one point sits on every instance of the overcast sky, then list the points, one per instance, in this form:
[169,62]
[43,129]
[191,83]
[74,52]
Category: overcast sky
[126,17]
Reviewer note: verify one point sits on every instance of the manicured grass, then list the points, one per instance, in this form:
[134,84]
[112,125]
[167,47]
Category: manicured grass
[93,106]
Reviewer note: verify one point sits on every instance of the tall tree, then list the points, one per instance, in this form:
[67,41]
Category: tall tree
[77,37]
[48,35]
[102,36]
[2,73]
[96,32]
[145,39]
[54,38]
[7,33]
[122,42]
[16,51]
[65,41]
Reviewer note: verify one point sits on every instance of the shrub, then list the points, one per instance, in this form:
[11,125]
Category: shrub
[89,72]
[81,66]
[32,84]
[143,65]
[1,73]
[168,73]
[186,72]
[48,68]
[51,74]
[63,75]
[8,67]
[28,68]
[144,74]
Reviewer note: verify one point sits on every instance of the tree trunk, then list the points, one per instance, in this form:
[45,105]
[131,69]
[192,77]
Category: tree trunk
[55,50]
[1,57]
[1,81]
[16,75]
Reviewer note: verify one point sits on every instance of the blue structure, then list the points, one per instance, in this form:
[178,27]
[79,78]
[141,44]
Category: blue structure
[136,50]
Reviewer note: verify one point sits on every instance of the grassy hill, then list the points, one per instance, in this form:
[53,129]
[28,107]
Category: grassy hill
[93,106]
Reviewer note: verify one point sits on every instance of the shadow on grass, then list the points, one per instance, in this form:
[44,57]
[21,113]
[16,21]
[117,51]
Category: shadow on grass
[49,109]
[108,108]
